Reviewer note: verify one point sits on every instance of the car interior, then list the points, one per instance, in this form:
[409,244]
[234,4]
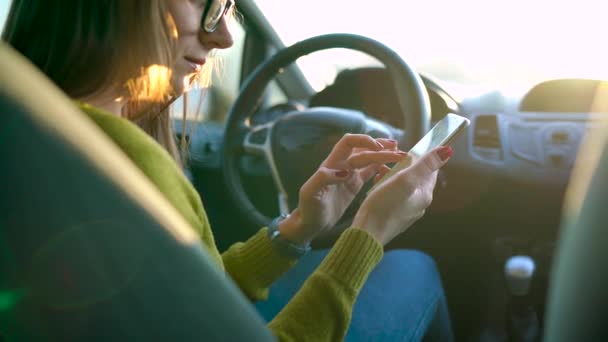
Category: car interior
[524,184]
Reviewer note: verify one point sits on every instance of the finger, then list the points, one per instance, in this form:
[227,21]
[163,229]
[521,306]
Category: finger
[431,162]
[370,171]
[381,172]
[322,177]
[389,144]
[366,158]
[344,147]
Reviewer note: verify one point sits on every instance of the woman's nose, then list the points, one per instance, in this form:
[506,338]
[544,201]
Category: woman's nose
[221,38]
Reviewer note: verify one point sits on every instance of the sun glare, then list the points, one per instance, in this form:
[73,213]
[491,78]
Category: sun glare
[152,85]
[506,43]
[172,27]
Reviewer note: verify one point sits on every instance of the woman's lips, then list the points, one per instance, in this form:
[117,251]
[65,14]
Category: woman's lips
[196,63]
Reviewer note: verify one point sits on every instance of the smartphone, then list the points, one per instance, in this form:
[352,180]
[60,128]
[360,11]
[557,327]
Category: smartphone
[440,135]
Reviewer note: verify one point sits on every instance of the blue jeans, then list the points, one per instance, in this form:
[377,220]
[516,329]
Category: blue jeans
[402,300]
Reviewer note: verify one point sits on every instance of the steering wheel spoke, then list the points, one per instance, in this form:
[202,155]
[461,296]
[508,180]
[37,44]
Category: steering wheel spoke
[257,140]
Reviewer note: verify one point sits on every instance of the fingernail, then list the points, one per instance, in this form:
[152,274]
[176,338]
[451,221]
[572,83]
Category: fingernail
[401,153]
[342,173]
[445,153]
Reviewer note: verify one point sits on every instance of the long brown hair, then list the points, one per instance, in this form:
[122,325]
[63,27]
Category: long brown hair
[87,47]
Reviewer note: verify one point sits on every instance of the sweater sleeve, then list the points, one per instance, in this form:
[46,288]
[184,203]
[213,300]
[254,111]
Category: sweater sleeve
[254,265]
[322,309]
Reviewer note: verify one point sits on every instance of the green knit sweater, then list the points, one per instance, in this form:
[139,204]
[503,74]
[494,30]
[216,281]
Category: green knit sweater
[321,310]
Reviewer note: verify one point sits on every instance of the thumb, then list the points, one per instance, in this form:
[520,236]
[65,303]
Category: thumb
[432,161]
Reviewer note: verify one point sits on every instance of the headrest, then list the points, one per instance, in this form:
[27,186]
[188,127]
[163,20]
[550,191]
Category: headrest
[51,110]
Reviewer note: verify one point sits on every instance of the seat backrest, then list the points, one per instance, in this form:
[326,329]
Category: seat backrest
[578,297]
[89,248]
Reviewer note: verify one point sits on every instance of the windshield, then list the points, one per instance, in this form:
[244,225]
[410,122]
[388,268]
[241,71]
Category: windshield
[498,43]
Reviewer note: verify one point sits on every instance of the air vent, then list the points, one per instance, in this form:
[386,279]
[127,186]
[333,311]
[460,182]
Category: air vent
[486,132]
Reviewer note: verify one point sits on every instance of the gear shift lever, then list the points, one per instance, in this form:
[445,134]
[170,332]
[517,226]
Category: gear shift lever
[519,271]
[522,321]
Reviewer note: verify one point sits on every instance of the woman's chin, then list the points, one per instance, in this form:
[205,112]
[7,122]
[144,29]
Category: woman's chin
[183,84]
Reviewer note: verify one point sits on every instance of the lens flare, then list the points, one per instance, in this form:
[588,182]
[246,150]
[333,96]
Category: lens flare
[153,85]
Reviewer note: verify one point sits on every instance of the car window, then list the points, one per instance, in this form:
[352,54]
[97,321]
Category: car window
[488,43]
[4,6]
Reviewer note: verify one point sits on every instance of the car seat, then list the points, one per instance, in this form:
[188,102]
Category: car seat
[89,248]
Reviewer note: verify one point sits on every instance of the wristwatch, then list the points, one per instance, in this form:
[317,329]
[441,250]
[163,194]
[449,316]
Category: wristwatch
[283,246]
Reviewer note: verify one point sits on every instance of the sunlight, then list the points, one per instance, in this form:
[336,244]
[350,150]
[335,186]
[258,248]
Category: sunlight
[4,6]
[172,27]
[600,102]
[152,85]
[510,44]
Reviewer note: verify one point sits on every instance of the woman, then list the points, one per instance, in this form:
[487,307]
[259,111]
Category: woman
[124,61]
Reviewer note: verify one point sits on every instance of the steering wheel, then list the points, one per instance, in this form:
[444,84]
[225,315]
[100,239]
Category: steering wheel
[241,139]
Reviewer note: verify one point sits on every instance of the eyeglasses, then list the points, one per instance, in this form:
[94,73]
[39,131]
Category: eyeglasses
[213,14]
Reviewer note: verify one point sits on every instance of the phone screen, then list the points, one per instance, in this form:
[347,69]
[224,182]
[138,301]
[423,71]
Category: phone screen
[441,134]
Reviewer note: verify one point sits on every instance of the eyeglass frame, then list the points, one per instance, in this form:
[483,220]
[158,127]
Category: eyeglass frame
[229,5]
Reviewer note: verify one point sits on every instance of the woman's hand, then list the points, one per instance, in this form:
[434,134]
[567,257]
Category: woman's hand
[330,190]
[402,199]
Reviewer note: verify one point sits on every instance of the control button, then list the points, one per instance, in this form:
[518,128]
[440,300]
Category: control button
[258,137]
[561,134]
[560,137]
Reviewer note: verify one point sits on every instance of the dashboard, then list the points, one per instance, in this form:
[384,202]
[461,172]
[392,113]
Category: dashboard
[532,147]
[505,139]
[540,147]
[512,163]
[530,138]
